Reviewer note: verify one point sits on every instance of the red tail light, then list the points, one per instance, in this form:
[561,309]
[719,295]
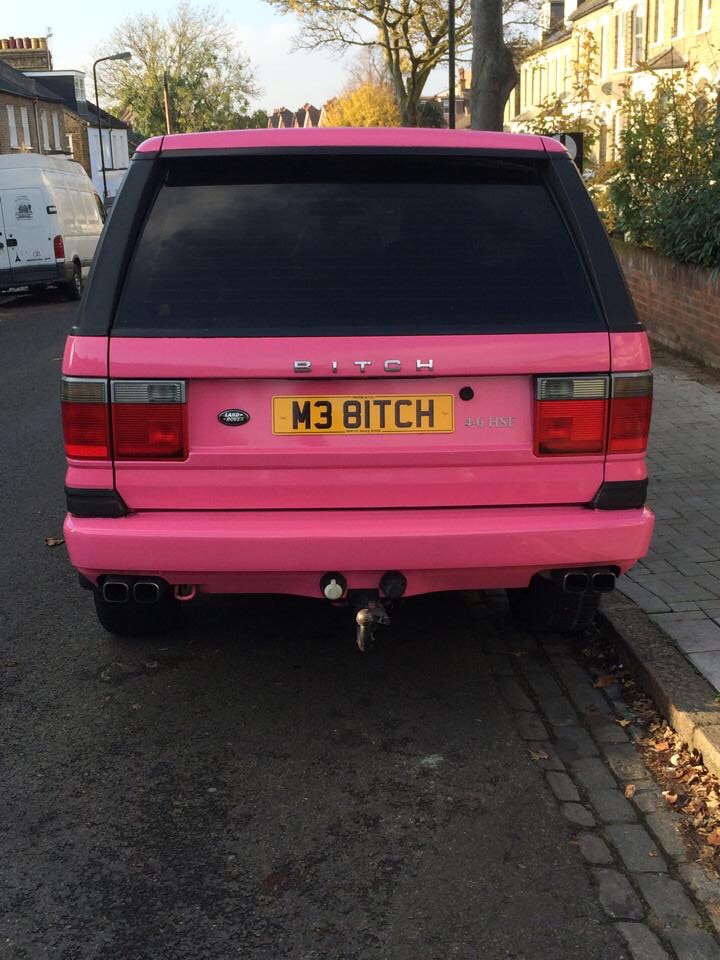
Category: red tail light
[630,412]
[593,414]
[571,415]
[85,418]
[149,420]
[59,245]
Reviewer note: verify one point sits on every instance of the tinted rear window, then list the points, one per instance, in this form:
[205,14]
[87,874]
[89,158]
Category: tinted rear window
[331,246]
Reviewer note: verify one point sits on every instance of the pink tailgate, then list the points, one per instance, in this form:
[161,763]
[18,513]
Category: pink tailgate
[488,459]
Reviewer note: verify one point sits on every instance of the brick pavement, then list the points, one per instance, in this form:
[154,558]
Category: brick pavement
[678,583]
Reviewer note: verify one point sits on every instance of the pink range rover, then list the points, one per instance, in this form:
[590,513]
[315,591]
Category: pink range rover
[356,365]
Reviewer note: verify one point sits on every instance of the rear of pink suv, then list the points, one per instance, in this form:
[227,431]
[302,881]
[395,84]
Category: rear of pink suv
[355,365]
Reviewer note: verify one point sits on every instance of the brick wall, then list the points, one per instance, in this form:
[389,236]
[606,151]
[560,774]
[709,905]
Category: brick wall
[16,104]
[678,303]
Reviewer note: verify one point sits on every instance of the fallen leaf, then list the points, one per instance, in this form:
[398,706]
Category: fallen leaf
[630,791]
[539,755]
[675,759]
[714,838]
[670,796]
[662,746]
[624,723]
[605,680]
[54,541]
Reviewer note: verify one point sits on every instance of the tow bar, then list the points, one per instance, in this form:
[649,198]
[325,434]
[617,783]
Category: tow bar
[371,614]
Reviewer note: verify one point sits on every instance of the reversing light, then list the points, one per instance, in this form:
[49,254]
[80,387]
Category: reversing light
[149,420]
[570,415]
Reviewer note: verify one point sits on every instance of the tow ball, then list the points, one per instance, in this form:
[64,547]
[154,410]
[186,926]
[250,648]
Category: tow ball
[367,619]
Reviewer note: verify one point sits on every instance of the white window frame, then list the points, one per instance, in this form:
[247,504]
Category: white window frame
[680,19]
[27,142]
[658,12]
[45,130]
[12,126]
[705,16]
[638,35]
[56,130]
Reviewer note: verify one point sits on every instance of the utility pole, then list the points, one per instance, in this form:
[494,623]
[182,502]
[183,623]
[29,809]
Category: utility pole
[166,103]
[451,64]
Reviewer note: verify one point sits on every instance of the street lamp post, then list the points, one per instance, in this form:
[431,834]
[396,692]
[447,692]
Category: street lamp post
[451,64]
[125,55]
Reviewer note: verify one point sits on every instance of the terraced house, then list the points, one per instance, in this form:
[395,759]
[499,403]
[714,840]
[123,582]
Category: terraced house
[591,52]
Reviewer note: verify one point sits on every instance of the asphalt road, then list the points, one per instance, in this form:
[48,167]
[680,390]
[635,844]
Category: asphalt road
[253,786]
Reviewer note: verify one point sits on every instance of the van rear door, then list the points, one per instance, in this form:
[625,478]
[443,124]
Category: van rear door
[5,263]
[310,332]
[29,232]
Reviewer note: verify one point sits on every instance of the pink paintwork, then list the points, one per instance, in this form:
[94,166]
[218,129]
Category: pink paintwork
[287,552]
[390,137]
[249,511]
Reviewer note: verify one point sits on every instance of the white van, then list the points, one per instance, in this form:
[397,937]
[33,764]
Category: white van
[50,222]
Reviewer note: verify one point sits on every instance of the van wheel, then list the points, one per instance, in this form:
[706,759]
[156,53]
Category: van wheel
[133,619]
[545,607]
[75,286]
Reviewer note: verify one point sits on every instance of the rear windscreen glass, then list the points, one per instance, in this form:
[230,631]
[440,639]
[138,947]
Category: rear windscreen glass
[331,246]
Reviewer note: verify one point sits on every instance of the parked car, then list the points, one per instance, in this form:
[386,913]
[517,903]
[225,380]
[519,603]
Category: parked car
[50,222]
[356,365]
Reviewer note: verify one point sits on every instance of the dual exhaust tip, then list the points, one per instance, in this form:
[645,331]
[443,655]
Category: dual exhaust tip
[115,590]
[579,581]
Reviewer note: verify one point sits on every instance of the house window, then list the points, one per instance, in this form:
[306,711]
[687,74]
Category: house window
[12,127]
[703,19]
[679,18]
[79,88]
[56,131]
[27,142]
[638,35]
[658,21]
[601,53]
[45,132]
[619,58]
[71,146]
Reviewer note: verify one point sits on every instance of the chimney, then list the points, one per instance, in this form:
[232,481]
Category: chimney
[26,53]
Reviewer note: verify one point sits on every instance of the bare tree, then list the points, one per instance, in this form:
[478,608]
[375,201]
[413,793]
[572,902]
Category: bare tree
[493,70]
[412,35]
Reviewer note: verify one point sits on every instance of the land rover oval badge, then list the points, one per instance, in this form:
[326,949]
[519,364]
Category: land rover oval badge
[233,418]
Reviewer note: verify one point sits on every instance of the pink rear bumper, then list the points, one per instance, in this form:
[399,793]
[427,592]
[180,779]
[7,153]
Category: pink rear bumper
[288,552]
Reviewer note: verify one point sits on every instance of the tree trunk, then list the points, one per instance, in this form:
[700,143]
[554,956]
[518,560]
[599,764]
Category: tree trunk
[493,70]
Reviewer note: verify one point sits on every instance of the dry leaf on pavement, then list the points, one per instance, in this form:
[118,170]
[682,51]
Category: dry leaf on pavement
[630,791]
[53,541]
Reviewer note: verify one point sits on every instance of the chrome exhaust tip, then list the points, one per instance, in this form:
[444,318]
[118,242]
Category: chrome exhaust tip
[575,581]
[115,591]
[146,591]
[603,581]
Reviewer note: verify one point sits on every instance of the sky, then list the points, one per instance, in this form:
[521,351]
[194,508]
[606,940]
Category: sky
[286,78]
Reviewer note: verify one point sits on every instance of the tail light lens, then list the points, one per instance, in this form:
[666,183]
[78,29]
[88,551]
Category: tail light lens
[148,417]
[59,247]
[85,420]
[593,414]
[149,420]
[630,412]
[571,415]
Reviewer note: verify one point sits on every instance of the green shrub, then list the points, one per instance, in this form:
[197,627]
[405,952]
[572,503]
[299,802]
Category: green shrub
[663,191]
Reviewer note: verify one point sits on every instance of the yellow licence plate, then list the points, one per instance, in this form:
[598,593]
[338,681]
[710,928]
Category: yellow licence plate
[426,413]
